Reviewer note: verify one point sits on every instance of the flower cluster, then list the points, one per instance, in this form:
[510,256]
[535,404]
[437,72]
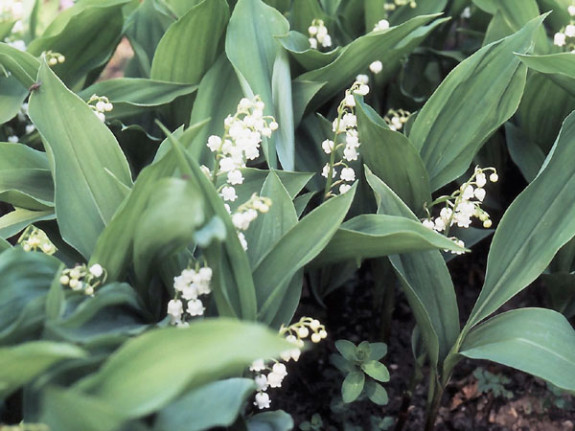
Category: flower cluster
[247,213]
[391,6]
[100,105]
[395,119]
[11,10]
[189,286]
[54,58]
[346,137]
[566,37]
[83,279]
[33,239]
[243,133]
[296,333]
[463,204]
[381,25]
[318,35]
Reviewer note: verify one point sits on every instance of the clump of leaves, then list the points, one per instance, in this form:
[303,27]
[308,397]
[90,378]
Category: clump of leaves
[494,383]
[362,369]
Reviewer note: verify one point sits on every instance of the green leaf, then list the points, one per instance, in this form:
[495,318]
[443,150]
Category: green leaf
[22,65]
[352,386]
[525,154]
[68,410]
[281,263]
[13,95]
[215,404]
[282,98]
[205,351]
[219,83]
[77,34]
[486,87]
[253,51]
[543,108]
[90,180]
[392,157]
[168,222]
[510,16]
[378,351]
[376,235]
[435,308]
[423,7]
[559,67]
[22,363]
[376,393]
[538,222]
[347,349]
[538,341]
[131,95]
[17,220]
[376,370]
[266,230]
[201,29]
[354,58]
[25,277]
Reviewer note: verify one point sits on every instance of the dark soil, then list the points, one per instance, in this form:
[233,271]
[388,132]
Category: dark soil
[313,384]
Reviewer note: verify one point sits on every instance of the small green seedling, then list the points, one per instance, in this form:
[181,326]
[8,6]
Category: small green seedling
[494,383]
[362,370]
[314,424]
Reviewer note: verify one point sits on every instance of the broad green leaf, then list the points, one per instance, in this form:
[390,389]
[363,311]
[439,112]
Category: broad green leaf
[173,211]
[4,245]
[266,230]
[144,28]
[281,263]
[77,33]
[68,410]
[378,351]
[282,98]
[22,65]
[22,363]
[376,393]
[181,7]
[376,235]
[131,95]
[535,340]
[201,30]
[510,16]
[219,83]
[542,110]
[89,169]
[376,370]
[26,277]
[538,222]
[252,49]
[299,48]
[425,280]
[17,220]
[13,95]
[392,157]
[109,318]
[559,67]
[212,405]
[205,351]
[390,44]
[352,386]
[487,88]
